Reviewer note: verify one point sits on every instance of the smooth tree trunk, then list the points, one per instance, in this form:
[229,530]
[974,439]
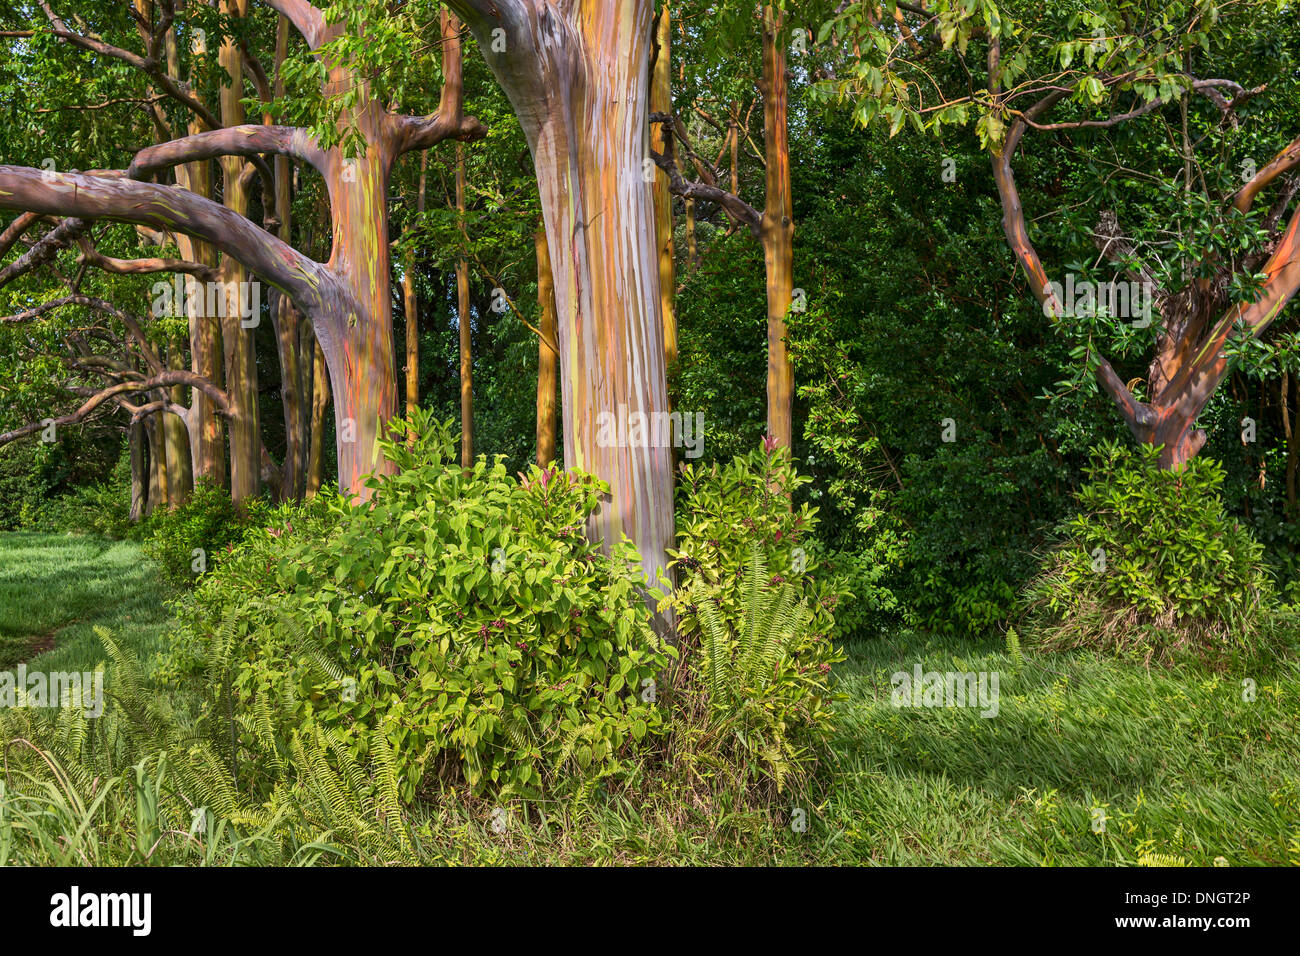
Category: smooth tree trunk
[464,325]
[411,304]
[661,101]
[320,399]
[139,470]
[236,339]
[207,428]
[157,464]
[287,320]
[547,359]
[777,231]
[577,75]
[180,474]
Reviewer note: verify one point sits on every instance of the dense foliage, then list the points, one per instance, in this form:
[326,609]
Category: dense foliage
[1152,564]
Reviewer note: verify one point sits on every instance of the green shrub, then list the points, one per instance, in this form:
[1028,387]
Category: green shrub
[1152,565]
[460,615]
[40,480]
[195,536]
[751,704]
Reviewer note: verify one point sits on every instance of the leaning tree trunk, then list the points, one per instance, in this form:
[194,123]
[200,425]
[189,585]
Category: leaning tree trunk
[577,75]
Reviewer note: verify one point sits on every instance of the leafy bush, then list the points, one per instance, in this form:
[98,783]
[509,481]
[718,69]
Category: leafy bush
[459,617]
[756,625]
[45,487]
[38,479]
[1152,564]
[193,537]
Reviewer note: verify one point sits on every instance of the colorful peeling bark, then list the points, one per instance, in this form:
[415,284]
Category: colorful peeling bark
[547,358]
[577,75]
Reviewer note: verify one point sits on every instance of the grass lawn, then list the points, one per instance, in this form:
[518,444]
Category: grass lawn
[54,589]
[1088,761]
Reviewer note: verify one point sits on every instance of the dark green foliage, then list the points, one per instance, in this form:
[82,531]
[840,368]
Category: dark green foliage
[916,316]
[80,483]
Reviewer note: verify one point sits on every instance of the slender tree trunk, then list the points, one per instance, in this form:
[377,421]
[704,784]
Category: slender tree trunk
[139,470]
[207,431]
[733,143]
[237,341]
[777,232]
[547,360]
[464,324]
[692,250]
[320,399]
[286,318]
[411,305]
[661,101]
[1290,427]
[180,474]
[157,464]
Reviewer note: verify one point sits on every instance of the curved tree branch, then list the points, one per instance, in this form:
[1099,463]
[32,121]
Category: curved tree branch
[248,140]
[164,380]
[173,209]
[151,65]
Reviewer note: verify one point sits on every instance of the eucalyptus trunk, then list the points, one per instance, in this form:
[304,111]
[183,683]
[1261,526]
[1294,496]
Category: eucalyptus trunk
[577,75]
[777,231]
[661,101]
[547,359]
[464,325]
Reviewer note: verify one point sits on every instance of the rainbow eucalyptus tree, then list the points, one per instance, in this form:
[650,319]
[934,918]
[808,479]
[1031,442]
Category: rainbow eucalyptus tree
[347,298]
[577,75]
[1205,290]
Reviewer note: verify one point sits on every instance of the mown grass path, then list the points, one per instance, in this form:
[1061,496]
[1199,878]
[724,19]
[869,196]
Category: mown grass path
[54,589]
